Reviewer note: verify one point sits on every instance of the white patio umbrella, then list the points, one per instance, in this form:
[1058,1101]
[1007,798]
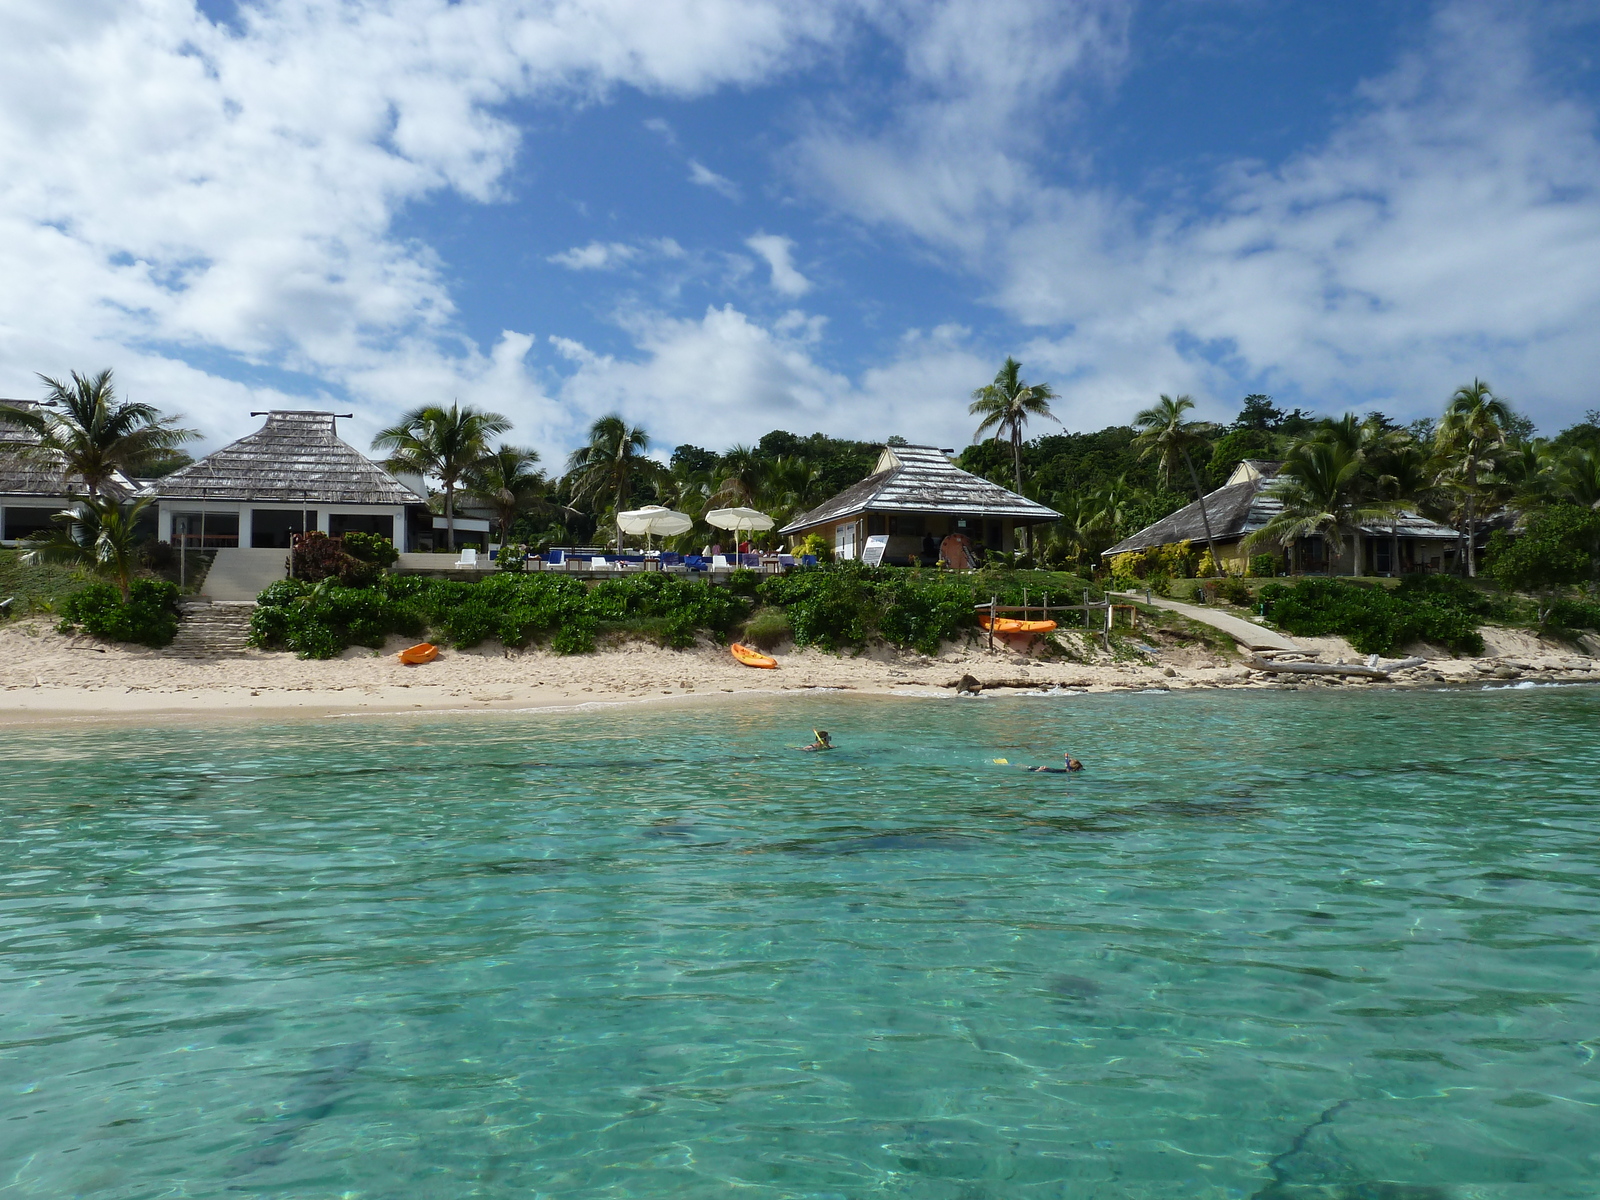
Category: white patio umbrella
[653,521]
[739,519]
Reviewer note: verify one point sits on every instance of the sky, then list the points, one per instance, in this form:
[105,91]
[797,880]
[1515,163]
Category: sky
[721,217]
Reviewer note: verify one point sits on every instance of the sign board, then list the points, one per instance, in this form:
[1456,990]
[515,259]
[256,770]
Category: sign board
[872,552]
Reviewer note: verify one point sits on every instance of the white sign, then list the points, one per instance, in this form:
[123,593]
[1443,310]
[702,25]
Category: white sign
[872,552]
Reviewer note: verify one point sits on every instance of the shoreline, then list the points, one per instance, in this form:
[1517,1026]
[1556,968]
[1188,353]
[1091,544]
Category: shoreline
[47,677]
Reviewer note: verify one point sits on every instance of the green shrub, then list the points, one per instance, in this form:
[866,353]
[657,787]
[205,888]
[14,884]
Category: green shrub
[1236,591]
[768,628]
[1263,566]
[1574,614]
[371,548]
[847,604]
[1375,620]
[149,617]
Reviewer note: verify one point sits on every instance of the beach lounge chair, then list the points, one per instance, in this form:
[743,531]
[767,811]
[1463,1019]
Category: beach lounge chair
[555,558]
[808,560]
[469,557]
[719,562]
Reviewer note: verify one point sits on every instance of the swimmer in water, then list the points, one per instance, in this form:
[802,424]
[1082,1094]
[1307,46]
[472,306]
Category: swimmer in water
[1071,764]
[823,742]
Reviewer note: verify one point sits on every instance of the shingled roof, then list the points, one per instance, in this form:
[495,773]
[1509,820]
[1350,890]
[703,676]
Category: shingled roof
[24,472]
[922,479]
[1242,506]
[295,456]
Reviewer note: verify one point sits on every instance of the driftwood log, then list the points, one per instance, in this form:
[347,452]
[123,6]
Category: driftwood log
[1367,670]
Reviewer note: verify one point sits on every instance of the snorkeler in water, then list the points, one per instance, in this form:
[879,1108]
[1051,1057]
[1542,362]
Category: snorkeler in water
[823,742]
[1070,765]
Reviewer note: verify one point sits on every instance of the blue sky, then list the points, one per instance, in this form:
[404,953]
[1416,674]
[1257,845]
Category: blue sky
[719,217]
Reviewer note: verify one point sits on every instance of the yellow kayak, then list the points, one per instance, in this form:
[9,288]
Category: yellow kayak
[752,658]
[1007,625]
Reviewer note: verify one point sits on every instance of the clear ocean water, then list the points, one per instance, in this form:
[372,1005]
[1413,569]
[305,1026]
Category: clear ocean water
[1314,945]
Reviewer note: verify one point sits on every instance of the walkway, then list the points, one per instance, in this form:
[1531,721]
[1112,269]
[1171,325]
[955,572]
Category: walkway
[239,574]
[1246,633]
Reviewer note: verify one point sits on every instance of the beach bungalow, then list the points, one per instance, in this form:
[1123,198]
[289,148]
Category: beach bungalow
[293,474]
[1245,503]
[916,496]
[32,491]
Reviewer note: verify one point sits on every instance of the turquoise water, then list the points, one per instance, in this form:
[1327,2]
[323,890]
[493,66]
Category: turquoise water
[1277,945]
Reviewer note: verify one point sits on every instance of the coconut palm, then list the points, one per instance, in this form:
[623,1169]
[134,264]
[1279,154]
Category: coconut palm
[1006,405]
[92,435]
[787,486]
[1322,494]
[1470,435]
[1402,475]
[738,475]
[97,532]
[610,465]
[1168,436]
[445,443]
[1575,476]
[509,482]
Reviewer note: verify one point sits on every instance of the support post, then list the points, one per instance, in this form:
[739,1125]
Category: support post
[994,602]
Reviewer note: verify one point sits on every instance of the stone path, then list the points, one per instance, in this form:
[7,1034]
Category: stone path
[1246,633]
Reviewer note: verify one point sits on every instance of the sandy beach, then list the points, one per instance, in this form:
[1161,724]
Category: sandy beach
[48,676]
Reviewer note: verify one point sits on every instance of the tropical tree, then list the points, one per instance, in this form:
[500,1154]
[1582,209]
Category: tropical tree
[445,443]
[1321,493]
[1006,406]
[98,532]
[1168,436]
[1470,435]
[785,487]
[738,476]
[92,434]
[508,481]
[1401,474]
[610,465]
[1575,476]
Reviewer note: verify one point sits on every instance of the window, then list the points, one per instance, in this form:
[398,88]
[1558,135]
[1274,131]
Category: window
[908,525]
[270,528]
[342,523]
[25,522]
[877,523]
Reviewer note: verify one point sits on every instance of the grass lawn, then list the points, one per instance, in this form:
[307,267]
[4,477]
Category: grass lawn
[35,589]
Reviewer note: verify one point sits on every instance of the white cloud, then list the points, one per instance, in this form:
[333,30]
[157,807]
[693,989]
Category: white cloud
[174,189]
[596,256]
[1450,226]
[705,177]
[726,378]
[779,254]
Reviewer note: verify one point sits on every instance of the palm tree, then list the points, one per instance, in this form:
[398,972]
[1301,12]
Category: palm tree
[1166,435]
[1005,405]
[610,464]
[1469,435]
[98,532]
[1321,493]
[1575,476]
[1403,475]
[445,443]
[786,486]
[738,473]
[93,435]
[508,482]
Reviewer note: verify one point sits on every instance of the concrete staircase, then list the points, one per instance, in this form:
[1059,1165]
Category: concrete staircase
[238,573]
[209,629]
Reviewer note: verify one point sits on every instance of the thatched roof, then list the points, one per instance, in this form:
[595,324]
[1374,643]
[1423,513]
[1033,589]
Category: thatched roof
[296,457]
[23,472]
[922,479]
[1243,505]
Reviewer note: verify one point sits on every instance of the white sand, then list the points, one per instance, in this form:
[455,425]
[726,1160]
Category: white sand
[46,676]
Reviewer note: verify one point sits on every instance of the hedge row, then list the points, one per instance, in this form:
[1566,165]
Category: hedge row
[833,607]
[1440,609]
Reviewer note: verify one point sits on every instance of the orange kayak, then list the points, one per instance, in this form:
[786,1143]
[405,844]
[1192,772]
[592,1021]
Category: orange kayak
[1007,625]
[752,658]
[423,652]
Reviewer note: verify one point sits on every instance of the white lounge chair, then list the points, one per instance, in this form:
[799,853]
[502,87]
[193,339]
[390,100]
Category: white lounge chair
[469,557]
[719,562]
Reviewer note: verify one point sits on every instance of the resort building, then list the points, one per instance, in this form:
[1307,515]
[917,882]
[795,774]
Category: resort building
[293,474]
[1400,545]
[916,496]
[32,489]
